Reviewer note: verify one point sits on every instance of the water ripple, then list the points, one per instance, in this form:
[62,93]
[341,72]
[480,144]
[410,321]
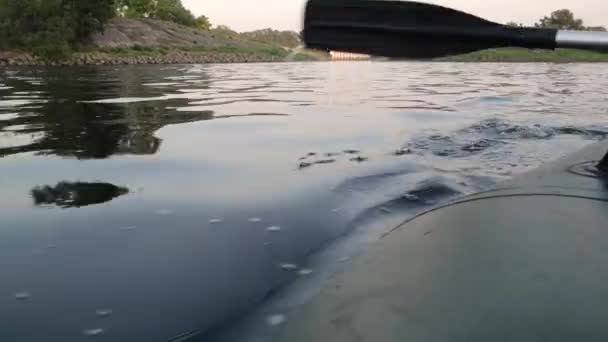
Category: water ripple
[233,181]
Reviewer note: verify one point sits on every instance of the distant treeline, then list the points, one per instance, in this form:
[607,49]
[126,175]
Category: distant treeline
[563,19]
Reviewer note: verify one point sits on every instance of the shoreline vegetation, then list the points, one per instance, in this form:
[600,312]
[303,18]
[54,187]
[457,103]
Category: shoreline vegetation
[74,32]
[160,55]
[114,32]
[520,55]
[197,55]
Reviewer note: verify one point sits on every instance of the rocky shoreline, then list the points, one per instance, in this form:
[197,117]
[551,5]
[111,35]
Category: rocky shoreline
[102,58]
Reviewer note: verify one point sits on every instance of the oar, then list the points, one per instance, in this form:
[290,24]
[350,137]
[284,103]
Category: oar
[408,29]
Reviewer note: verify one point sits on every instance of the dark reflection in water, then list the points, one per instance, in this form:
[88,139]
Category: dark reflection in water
[76,195]
[61,120]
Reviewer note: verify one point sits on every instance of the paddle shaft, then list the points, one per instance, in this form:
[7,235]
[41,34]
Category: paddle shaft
[409,29]
[582,40]
[537,38]
[499,35]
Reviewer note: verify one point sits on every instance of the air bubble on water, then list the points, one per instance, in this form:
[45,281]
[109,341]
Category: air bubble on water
[275,320]
[289,267]
[345,259]
[93,332]
[255,220]
[129,228]
[215,221]
[305,272]
[22,296]
[336,210]
[385,210]
[274,229]
[165,212]
[103,313]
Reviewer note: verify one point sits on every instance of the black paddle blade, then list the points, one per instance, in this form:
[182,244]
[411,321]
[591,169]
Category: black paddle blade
[406,29]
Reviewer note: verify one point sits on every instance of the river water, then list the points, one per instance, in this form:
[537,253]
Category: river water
[144,202]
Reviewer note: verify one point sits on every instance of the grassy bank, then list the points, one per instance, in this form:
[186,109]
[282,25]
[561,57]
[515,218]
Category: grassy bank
[525,55]
[260,50]
[163,55]
[160,51]
[147,41]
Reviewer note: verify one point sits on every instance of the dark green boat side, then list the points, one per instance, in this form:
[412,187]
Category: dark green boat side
[525,262]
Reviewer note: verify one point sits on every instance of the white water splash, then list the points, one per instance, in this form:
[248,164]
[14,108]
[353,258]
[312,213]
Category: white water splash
[93,332]
[305,272]
[289,267]
[273,229]
[103,313]
[275,320]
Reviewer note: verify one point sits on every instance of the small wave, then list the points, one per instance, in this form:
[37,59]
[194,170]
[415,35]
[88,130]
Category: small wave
[364,183]
[421,108]
[123,100]
[496,99]
[424,194]
[492,133]
[161,84]
[430,192]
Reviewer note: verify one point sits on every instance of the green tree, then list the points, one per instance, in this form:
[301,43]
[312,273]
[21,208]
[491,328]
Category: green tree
[562,20]
[513,24]
[173,10]
[168,10]
[137,8]
[90,16]
[203,23]
[50,28]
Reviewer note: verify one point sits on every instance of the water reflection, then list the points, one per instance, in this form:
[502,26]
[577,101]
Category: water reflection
[76,195]
[55,116]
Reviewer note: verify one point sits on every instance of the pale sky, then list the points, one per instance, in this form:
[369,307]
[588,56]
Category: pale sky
[247,15]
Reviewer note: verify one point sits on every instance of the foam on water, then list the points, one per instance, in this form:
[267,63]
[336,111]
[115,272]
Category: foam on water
[93,332]
[22,296]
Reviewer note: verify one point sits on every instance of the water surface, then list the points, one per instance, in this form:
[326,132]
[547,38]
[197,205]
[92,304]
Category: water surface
[192,195]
